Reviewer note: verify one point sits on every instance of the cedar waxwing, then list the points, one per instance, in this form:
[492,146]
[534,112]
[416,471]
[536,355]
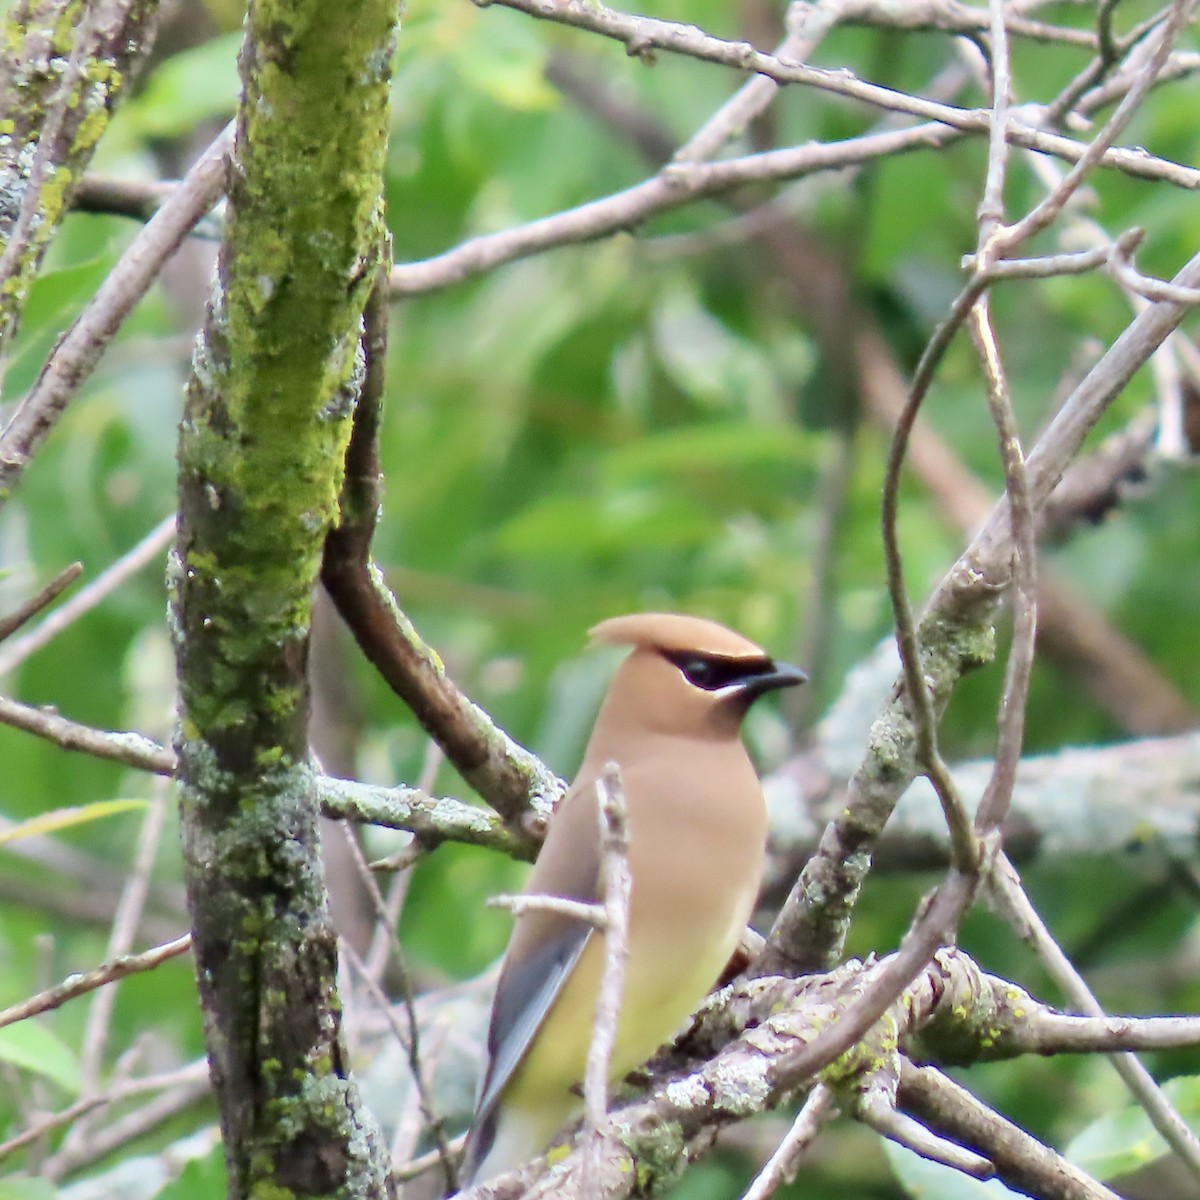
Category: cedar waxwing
[697,836]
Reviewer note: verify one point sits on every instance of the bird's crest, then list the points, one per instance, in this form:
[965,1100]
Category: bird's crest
[674,633]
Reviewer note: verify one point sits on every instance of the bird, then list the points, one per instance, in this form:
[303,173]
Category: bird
[671,722]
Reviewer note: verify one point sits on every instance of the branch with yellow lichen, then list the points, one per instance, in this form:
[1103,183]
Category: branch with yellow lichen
[953,1013]
[66,66]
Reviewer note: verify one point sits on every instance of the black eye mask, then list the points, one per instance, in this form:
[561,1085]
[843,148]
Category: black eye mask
[711,672]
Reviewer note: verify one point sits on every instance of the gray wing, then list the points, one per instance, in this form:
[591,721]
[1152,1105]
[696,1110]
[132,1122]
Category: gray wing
[543,950]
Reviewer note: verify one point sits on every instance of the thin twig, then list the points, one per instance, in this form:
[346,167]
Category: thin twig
[138,199]
[921,704]
[1181,64]
[644,35]
[80,984]
[576,910]
[125,924]
[41,599]
[679,184]
[674,186]
[991,206]
[1014,905]
[426,1162]
[410,1038]
[1021,1161]
[128,565]
[133,1087]
[383,937]
[1104,31]
[77,353]
[882,1115]
[1066,107]
[1049,208]
[756,94]
[780,1168]
[617,887]
[1047,266]
[124,929]
[433,819]
[997,795]
[945,17]
[1121,264]
[134,1125]
[130,749]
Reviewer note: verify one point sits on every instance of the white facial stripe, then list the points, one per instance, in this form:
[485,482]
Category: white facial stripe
[730,689]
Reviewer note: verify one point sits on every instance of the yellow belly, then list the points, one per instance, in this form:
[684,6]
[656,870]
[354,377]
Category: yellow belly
[663,985]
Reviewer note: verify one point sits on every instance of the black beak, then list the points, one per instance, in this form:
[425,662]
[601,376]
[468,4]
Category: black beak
[781,675]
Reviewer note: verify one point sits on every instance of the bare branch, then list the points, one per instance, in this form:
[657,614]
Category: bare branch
[681,183]
[131,749]
[77,353]
[194,1075]
[1015,906]
[755,95]
[138,199]
[80,984]
[433,819]
[675,185]
[1050,207]
[1181,64]
[42,599]
[997,796]
[1146,286]
[618,886]
[577,910]
[642,36]
[150,548]
[510,778]
[168,1104]
[882,1116]
[124,929]
[780,1168]
[1021,1161]
[410,1041]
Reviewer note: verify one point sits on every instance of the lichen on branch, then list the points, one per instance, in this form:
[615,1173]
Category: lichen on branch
[262,440]
[63,66]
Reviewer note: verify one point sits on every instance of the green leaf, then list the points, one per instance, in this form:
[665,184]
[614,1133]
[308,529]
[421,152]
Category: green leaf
[64,818]
[581,526]
[726,446]
[33,1047]
[55,300]
[201,1179]
[24,1187]
[506,62]
[190,87]
[1124,1141]
[928,1180]
[707,361]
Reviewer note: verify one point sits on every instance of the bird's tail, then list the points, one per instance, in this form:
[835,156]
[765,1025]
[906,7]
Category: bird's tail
[507,1140]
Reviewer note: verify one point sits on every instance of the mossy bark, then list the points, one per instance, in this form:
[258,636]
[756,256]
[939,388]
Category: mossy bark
[63,66]
[264,431]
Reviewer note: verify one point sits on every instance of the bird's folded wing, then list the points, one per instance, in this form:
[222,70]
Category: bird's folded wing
[545,947]
[526,992]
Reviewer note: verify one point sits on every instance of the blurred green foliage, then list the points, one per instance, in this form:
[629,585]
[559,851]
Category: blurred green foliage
[617,426]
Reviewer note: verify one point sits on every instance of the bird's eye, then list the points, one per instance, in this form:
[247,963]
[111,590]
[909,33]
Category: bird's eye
[700,672]
[712,673]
